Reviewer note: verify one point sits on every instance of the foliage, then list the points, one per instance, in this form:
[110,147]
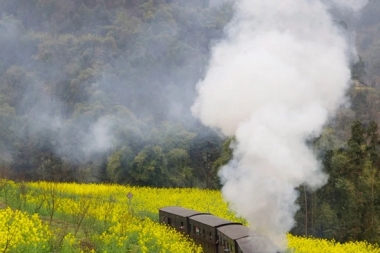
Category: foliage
[347,207]
[92,218]
[311,245]
[90,88]
[21,232]
[99,218]
[100,91]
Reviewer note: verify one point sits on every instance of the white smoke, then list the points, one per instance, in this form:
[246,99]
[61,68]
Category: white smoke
[99,136]
[351,4]
[282,71]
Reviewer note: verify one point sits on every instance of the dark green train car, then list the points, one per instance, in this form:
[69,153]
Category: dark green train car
[204,231]
[178,217]
[214,234]
[228,235]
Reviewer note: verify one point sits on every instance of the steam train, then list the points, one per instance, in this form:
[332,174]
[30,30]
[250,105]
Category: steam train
[214,234]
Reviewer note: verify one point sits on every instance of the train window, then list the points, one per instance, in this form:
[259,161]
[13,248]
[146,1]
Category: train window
[181,227]
[197,231]
[170,221]
[194,229]
[203,232]
[225,246]
[210,235]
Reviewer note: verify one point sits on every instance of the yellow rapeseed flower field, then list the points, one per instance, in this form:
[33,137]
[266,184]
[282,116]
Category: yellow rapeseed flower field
[298,244]
[20,232]
[112,222]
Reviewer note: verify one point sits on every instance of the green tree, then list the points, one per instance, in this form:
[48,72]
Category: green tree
[179,171]
[347,207]
[149,167]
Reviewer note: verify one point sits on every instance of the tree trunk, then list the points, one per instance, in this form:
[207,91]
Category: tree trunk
[305,194]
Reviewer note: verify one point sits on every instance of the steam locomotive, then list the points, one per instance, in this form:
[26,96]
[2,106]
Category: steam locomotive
[214,234]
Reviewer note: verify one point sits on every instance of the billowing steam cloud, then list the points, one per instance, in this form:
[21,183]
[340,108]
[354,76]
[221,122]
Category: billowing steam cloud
[282,71]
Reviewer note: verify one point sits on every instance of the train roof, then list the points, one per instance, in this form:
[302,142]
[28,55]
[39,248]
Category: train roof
[257,244]
[177,210]
[245,244]
[212,220]
[235,231]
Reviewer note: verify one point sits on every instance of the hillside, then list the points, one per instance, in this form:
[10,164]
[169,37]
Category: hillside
[101,91]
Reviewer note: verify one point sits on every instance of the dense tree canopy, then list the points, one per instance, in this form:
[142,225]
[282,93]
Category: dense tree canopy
[101,90]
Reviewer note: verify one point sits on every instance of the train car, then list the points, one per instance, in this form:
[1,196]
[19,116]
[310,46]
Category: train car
[204,231]
[214,234]
[178,217]
[228,236]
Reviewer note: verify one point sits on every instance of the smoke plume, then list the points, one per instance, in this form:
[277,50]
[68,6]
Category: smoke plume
[280,74]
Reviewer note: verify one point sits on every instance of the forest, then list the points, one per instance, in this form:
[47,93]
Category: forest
[101,90]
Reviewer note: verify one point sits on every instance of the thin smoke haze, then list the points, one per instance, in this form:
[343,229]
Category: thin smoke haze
[281,72]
